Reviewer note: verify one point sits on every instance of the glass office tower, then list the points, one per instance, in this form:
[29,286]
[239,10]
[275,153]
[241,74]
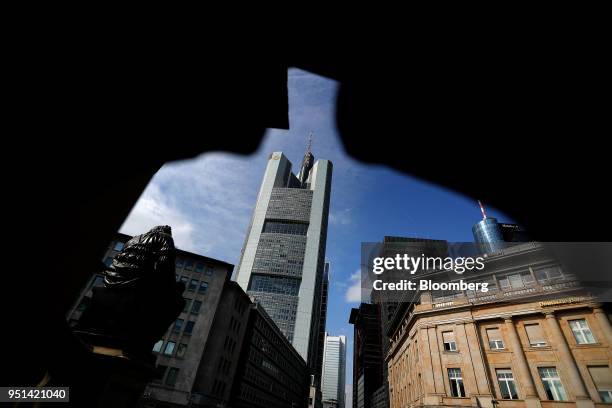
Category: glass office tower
[283,259]
[334,371]
[487,232]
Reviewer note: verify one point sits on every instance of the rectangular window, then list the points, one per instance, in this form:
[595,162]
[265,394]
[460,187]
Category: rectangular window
[495,340]
[203,287]
[195,307]
[187,302]
[549,273]
[456,382]
[199,267]
[188,265]
[160,371]
[527,278]
[108,261]
[449,341]
[171,378]
[507,387]
[193,284]
[209,271]
[275,284]
[602,378]
[184,280]
[535,335]
[178,325]
[157,346]
[285,227]
[118,246]
[552,384]
[189,327]
[516,282]
[581,331]
[180,351]
[169,348]
[179,262]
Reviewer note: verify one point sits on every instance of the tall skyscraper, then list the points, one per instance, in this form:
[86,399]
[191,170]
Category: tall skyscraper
[283,259]
[493,236]
[323,317]
[334,371]
[488,233]
[387,306]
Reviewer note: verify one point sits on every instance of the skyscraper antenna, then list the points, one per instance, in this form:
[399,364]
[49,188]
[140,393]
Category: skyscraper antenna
[309,148]
[482,210]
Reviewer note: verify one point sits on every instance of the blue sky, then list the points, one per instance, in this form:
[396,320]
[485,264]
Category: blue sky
[208,200]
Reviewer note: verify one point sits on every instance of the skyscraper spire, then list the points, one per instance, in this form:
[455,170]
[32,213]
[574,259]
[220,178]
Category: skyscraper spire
[309,148]
[307,162]
[482,210]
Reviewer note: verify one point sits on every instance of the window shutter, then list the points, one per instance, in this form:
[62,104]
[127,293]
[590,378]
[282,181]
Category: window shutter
[493,334]
[534,332]
[602,377]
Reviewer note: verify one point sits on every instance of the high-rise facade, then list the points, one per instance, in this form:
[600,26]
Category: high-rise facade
[283,259]
[488,234]
[491,236]
[368,360]
[334,371]
[323,317]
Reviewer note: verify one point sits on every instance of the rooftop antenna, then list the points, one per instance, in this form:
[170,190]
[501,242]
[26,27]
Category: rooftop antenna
[307,163]
[309,148]
[482,210]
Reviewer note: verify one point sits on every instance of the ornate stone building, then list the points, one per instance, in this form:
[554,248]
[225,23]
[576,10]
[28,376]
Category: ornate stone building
[536,339]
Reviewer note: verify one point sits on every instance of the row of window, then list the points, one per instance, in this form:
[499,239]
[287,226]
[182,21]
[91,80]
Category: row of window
[235,325]
[178,326]
[513,281]
[166,375]
[285,227]
[193,284]
[218,388]
[192,306]
[188,265]
[224,365]
[549,376]
[256,397]
[240,306]
[169,348]
[229,345]
[535,334]
[275,284]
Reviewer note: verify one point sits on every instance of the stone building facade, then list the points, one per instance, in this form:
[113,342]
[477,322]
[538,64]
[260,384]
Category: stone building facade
[509,347]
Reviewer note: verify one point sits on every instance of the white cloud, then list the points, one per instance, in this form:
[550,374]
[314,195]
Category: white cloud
[341,217]
[207,201]
[155,208]
[353,293]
